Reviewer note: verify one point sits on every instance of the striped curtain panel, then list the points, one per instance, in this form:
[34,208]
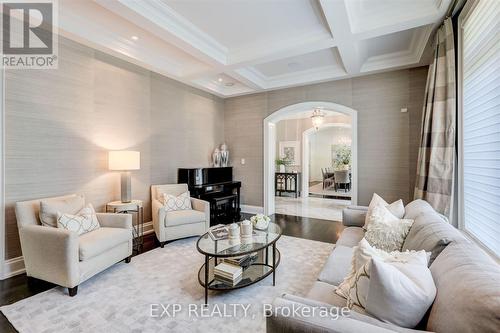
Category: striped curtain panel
[436,156]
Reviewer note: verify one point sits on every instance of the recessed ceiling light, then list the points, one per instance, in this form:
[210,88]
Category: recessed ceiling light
[134,38]
[229,84]
[219,79]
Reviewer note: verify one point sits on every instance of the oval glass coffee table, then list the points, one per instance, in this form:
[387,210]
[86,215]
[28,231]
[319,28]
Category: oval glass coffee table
[266,257]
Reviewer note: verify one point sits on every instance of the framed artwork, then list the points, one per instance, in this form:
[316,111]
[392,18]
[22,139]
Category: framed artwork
[291,151]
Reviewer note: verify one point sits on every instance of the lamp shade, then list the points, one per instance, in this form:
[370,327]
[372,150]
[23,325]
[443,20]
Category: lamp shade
[124,160]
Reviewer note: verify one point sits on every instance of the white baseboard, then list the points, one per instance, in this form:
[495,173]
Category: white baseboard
[12,267]
[15,266]
[148,228]
[252,209]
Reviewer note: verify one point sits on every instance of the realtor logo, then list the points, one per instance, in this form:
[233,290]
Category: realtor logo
[29,39]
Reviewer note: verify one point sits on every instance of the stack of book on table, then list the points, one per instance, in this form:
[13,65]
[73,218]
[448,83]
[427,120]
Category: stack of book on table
[243,261]
[228,273]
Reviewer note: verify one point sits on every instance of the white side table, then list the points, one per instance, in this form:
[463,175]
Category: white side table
[135,207]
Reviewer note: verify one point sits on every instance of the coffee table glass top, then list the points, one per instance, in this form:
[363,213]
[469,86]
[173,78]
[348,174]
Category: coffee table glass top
[226,248]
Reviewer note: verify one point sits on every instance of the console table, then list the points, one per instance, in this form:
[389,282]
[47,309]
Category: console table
[287,182]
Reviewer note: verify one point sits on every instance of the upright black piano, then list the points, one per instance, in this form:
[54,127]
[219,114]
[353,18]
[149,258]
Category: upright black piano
[215,185]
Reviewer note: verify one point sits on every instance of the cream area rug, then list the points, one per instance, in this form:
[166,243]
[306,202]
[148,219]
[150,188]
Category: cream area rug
[142,296]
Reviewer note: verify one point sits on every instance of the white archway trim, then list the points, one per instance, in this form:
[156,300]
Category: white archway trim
[305,153]
[270,145]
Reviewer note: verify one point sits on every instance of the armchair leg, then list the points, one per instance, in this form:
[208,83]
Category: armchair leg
[162,244]
[73,291]
[128,259]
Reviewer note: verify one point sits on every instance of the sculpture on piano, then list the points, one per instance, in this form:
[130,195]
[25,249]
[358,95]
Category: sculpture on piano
[224,155]
[220,156]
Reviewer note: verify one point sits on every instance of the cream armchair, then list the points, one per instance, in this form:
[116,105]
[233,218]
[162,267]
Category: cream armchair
[178,224]
[63,257]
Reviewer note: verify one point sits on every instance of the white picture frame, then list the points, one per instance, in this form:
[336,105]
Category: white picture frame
[292,150]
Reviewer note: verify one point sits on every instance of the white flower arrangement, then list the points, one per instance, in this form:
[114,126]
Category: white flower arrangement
[260,221]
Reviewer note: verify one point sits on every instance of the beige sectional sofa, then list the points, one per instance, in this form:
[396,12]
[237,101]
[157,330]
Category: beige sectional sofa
[467,281]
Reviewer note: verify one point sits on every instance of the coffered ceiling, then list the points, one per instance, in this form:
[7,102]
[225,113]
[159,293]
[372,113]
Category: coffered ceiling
[235,47]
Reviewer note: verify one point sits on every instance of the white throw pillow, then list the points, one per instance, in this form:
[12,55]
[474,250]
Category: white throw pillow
[362,254]
[385,231]
[360,286]
[49,207]
[397,208]
[400,293]
[173,203]
[82,222]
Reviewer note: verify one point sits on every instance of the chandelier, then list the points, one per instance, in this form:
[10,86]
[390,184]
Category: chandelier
[317,118]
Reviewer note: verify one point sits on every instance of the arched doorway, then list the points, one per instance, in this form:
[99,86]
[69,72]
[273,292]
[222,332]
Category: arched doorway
[270,145]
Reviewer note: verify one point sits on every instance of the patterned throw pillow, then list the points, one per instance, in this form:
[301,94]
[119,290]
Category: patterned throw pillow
[173,203]
[385,231]
[82,222]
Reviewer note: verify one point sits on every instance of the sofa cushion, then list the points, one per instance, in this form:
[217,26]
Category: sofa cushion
[417,207]
[179,217]
[65,205]
[351,236]
[468,297]
[337,265]
[325,293]
[431,233]
[357,319]
[98,241]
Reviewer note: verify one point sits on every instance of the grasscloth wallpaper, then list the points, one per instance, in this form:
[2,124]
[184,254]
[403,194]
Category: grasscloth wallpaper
[61,123]
[387,138]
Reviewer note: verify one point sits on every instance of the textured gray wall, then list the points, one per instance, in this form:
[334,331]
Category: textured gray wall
[61,123]
[387,138]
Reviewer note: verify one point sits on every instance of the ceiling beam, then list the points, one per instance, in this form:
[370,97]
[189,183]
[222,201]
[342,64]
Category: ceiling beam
[336,16]
[159,19]
[262,53]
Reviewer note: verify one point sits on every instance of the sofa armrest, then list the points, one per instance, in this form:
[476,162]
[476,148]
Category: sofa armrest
[355,207]
[354,216]
[112,220]
[294,316]
[51,254]
[202,206]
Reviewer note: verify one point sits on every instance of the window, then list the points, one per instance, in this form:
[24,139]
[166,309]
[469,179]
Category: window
[479,122]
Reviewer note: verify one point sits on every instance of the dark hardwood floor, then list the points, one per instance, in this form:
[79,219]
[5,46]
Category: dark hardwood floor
[16,288]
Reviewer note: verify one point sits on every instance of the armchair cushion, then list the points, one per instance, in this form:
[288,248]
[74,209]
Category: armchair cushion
[179,217]
[98,241]
[115,220]
[65,205]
